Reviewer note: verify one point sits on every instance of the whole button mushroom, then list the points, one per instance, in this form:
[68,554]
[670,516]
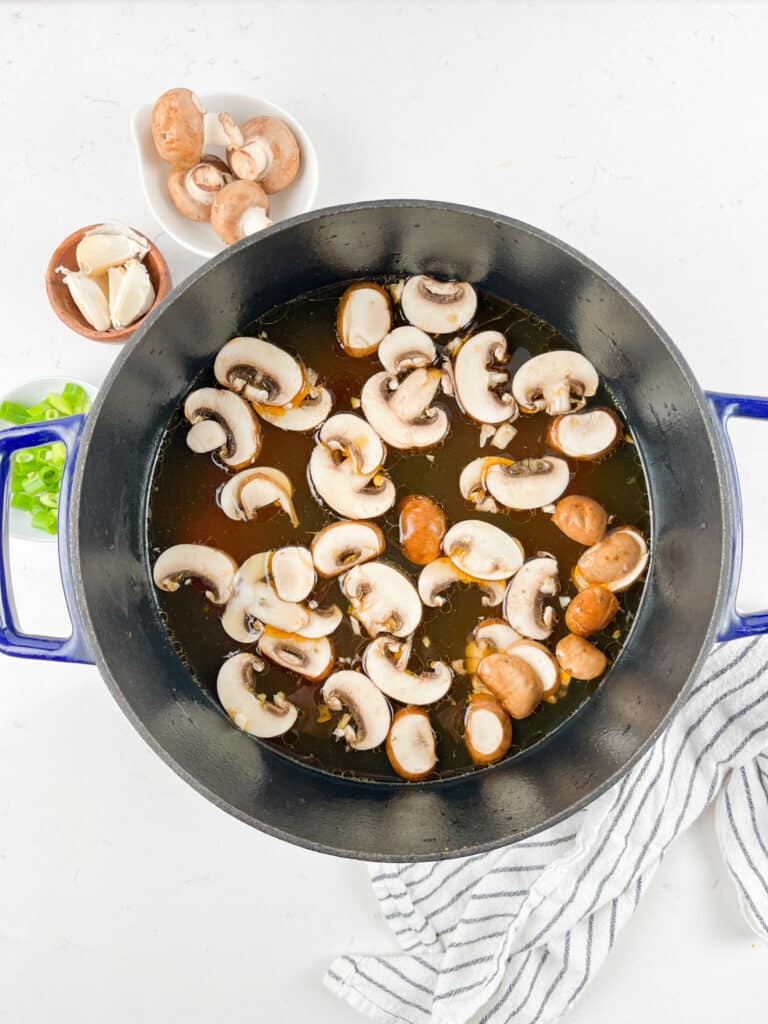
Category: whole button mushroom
[581,519]
[487,729]
[193,189]
[513,681]
[579,658]
[422,527]
[181,128]
[238,210]
[591,611]
[270,154]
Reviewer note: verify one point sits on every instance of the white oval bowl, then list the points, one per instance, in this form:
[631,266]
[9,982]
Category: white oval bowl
[198,237]
[34,391]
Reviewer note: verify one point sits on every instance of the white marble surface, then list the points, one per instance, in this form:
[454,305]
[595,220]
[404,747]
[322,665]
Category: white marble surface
[635,132]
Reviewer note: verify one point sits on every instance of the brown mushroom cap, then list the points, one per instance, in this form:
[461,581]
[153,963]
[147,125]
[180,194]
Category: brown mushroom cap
[513,681]
[591,610]
[178,127]
[231,205]
[579,658]
[285,154]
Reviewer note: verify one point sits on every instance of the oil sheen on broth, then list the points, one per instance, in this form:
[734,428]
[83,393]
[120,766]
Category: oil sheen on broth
[183,509]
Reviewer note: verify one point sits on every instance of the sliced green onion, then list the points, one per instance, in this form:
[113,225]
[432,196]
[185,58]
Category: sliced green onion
[60,404]
[45,521]
[25,502]
[49,500]
[13,413]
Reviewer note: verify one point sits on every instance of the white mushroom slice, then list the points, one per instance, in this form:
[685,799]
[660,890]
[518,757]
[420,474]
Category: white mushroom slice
[255,604]
[401,413]
[311,658]
[242,443]
[260,371]
[472,483]
[482,550]
[411,744]
[292,572]
[482,384]
[356,440]
[615,562]
[236,687]
[383,599]
[541,660]
[385,661]
[313,410]
[253,489]
[347,492]
[370,711]
[529,483]
[524,604]
[340,546]
[364,317]
[406,348]
[322,622]
[586,435]
[556,382]
[438,307]
[206,436]
[495,634]
[487,729]
[213,569]
[442,573]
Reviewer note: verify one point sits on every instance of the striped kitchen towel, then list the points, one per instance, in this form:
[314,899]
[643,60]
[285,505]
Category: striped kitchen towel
[514,936]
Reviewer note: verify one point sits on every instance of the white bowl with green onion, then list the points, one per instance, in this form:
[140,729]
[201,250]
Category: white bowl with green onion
[35,476]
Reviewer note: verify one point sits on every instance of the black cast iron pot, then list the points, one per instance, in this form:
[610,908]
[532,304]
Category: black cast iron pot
[688,599]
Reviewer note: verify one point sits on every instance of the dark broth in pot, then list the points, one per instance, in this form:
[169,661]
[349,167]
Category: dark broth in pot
[183,509]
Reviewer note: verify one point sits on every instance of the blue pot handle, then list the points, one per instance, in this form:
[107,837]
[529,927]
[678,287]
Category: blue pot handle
[12,641]
[724,406]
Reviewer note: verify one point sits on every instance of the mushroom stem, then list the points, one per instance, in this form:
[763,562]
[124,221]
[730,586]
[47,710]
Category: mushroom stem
[220,130]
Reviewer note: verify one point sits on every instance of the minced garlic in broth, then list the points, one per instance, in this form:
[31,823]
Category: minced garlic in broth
[183,509]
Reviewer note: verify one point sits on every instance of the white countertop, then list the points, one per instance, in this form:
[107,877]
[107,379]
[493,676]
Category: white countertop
[636,133]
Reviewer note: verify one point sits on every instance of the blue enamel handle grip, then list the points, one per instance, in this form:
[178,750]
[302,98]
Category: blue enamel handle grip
[12,641]
[724,406]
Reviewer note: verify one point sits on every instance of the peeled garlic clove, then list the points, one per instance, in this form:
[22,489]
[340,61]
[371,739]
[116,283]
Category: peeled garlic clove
[115,277]
[115,227]
[134,296]
[96,253]
[90,297]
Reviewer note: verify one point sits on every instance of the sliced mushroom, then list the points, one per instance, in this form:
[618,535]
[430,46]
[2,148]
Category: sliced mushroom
[401,412]
[242,441]
[181,128]
[406,348]
[355,439]
[313,410]
[482,550]
[438,307]
[322,622]
[292,573]
[363,319]
[586,435]
[385,662]
[615,562]
[260,371]
[253,489]
[213,569]
[239,209]
[270,154]
[524,603]
[366,704]
[529,483]
[472,483]
[340,546]
[541,660]
[513,681]
[482,384]
[254,603]
[383,599]
[495,634]
[348,493]
[487,729]
[236,685]
[442,573]
[556,382]
[411,744]
[311,658]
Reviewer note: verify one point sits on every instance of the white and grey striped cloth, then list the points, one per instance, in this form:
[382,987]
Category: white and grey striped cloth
[514,936]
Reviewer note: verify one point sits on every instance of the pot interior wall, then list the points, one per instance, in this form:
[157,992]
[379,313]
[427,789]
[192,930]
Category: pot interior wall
[655,393]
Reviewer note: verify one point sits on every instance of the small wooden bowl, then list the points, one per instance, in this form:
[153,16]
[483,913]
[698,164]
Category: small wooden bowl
[63,304]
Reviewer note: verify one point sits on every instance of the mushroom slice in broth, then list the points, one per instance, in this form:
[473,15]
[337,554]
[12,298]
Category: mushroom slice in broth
[555,382]
[529,483]
[251,490]
[383,599]
[212,568]
[481,379]
[340,546]
[441,574]
[438,307]
[370,711]
[411,746]
[401,411]
[385,662]
[260,371]
[363,319]
[406,348]
[242,441]
[524,603]
[236,686]
[586,435]
[482,550]
[310,657]
[615,562]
